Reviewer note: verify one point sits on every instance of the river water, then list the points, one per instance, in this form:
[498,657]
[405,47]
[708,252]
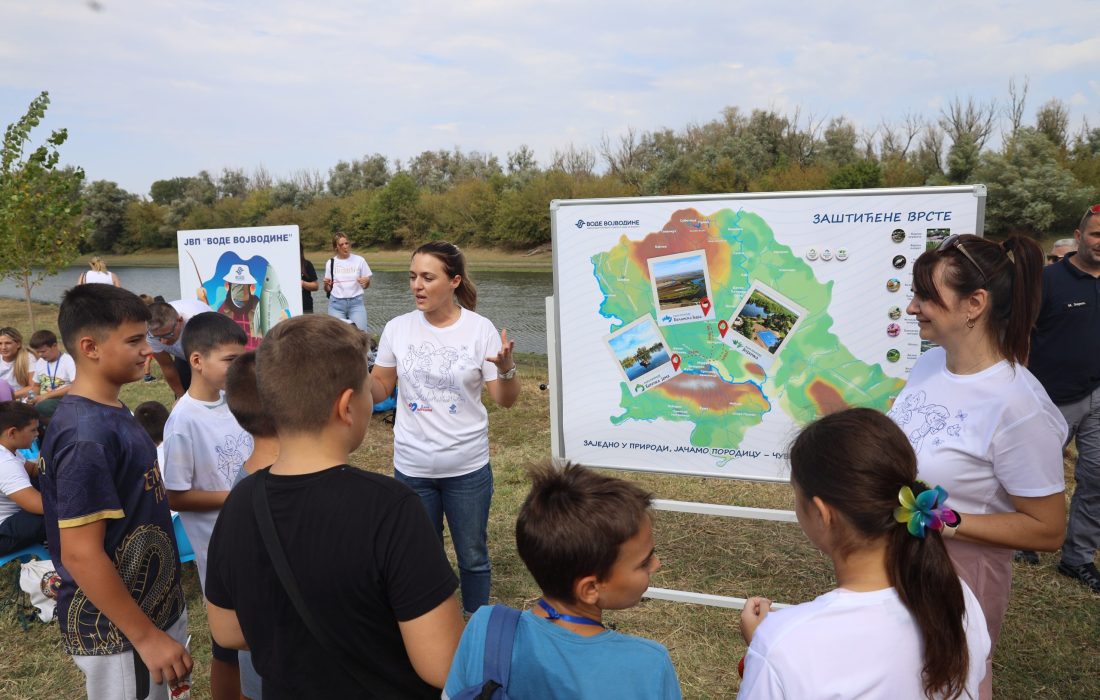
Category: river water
[512,300]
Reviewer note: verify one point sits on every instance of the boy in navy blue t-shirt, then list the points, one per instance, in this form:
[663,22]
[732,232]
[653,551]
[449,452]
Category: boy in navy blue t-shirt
[107,520]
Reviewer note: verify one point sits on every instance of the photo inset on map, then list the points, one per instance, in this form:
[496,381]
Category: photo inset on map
[763,322]
[935,236]
[681,287]
[643,357]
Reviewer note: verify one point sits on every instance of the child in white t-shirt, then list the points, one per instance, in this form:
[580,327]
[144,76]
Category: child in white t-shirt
[21,522]
[54,372]
[204,448]
[900,623]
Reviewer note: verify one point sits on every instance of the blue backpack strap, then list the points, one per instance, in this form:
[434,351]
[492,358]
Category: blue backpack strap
[500,636]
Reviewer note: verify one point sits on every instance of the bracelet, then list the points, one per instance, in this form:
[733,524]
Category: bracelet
[510,373]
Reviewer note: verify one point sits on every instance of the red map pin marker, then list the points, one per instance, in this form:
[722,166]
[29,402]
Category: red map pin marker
[705,304]
[675,361]
[723,327]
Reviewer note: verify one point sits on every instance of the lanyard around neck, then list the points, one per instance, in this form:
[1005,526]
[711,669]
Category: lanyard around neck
[575,619]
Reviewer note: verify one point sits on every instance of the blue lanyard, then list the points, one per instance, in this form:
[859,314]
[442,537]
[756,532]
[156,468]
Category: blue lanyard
[555,615]
[53,375]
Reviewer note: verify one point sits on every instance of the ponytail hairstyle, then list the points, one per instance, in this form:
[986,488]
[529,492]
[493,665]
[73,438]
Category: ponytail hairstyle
[21,365]
[454,264]
[1011,272]
[857,461]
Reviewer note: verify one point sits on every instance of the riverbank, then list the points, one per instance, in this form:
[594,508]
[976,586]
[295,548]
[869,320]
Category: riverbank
[379,259]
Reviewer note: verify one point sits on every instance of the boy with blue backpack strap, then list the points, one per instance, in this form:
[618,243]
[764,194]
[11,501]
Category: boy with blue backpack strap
[588,541]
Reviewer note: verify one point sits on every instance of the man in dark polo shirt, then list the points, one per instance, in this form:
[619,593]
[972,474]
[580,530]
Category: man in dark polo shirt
[1065,357]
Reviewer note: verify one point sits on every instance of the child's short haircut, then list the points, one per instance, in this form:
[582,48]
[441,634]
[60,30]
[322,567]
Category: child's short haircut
[209,330]
[97,309]
[243,397]
[572,524]
[43,339]
[152,415]
[303,366]
[16,414]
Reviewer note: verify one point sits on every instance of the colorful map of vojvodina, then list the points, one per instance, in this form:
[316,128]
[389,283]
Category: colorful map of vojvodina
[695,336]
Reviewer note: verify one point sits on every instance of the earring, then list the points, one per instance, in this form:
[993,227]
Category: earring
[970,322]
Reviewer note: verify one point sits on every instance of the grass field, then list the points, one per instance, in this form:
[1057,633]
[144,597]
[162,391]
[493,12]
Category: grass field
[1048,649]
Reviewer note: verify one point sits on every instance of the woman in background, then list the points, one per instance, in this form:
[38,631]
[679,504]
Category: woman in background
[99,273]
[16,364]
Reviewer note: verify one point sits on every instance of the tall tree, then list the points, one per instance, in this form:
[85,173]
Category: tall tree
[105,212]
[40,224]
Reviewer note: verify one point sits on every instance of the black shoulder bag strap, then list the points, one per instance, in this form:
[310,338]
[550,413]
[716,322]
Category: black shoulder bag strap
[364,676]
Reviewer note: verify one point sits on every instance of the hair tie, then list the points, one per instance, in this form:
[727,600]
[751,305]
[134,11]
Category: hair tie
[925,511]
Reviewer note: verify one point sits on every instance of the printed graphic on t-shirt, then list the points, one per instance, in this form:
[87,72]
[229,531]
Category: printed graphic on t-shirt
[144,562]
[428,376]
[232,453]
[922,420]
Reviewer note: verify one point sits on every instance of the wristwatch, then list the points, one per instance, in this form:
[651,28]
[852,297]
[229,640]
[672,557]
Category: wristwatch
[509,374]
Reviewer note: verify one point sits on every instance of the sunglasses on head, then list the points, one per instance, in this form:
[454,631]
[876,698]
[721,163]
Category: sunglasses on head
[953,241]
[1055,258]
[1094,209]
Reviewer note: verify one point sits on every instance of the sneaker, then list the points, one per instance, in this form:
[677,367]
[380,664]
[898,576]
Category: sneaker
[1026,556]
[149,378]
[1085,573]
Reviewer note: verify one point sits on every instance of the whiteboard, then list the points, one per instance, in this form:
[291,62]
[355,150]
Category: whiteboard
[696,334]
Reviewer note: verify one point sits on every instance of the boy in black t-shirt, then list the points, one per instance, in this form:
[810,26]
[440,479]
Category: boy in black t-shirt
[107,519]
[362,551]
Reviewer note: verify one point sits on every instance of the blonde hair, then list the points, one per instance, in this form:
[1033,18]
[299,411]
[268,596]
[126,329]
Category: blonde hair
[21,365]
[97,264]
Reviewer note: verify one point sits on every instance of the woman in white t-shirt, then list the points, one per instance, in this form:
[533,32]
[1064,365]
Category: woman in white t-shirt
[346,276]
[444,354]
[900,624]
[16,363]
[981,424]
[99,273]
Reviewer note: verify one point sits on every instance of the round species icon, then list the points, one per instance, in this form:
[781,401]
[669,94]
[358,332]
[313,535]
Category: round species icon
[898,262]
[811,254]
[893,354]
[898,235]
[842,254]
[893,284]
[893,330]
[894,313]
[826,255]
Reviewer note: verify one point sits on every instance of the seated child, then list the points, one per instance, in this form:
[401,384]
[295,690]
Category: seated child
[242,395]
[364,556]
[204,449]
[21,522]
[900,623]
[54,372]
[588,541]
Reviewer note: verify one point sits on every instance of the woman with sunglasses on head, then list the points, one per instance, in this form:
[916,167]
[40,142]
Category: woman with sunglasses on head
[444,355]
[982,426]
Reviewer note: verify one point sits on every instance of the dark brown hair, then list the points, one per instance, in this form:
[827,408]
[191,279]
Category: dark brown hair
[152,415]
[857,461]
[454,264]
[16,414]
[572,524]
[242,395]
[296,388]
[1011,272]
[42,338]
[97,309]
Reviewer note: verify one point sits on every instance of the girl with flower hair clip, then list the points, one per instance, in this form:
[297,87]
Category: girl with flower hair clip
[900,623]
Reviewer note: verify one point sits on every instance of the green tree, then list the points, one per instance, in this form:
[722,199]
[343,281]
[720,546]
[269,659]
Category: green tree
[392,210]
[858,174]
[40,224]
[105,213]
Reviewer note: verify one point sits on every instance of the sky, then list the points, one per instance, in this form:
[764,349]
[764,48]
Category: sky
[153,89]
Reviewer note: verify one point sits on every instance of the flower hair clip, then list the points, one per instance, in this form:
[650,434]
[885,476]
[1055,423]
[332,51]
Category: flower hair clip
[925,511]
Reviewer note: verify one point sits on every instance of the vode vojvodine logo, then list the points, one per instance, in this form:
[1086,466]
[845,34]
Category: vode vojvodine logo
[608,223]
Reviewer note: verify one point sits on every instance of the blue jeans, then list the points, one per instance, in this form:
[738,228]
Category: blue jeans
[350,310]
[465,501]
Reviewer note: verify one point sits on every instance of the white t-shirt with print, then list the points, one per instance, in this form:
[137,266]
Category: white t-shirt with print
[345,274]
[984,436]
[850,645]
[442,428]
[53,375]
[204,448]
[186,308]
[13,478]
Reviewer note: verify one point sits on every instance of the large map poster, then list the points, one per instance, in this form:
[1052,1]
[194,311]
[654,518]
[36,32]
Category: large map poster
[695,335]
